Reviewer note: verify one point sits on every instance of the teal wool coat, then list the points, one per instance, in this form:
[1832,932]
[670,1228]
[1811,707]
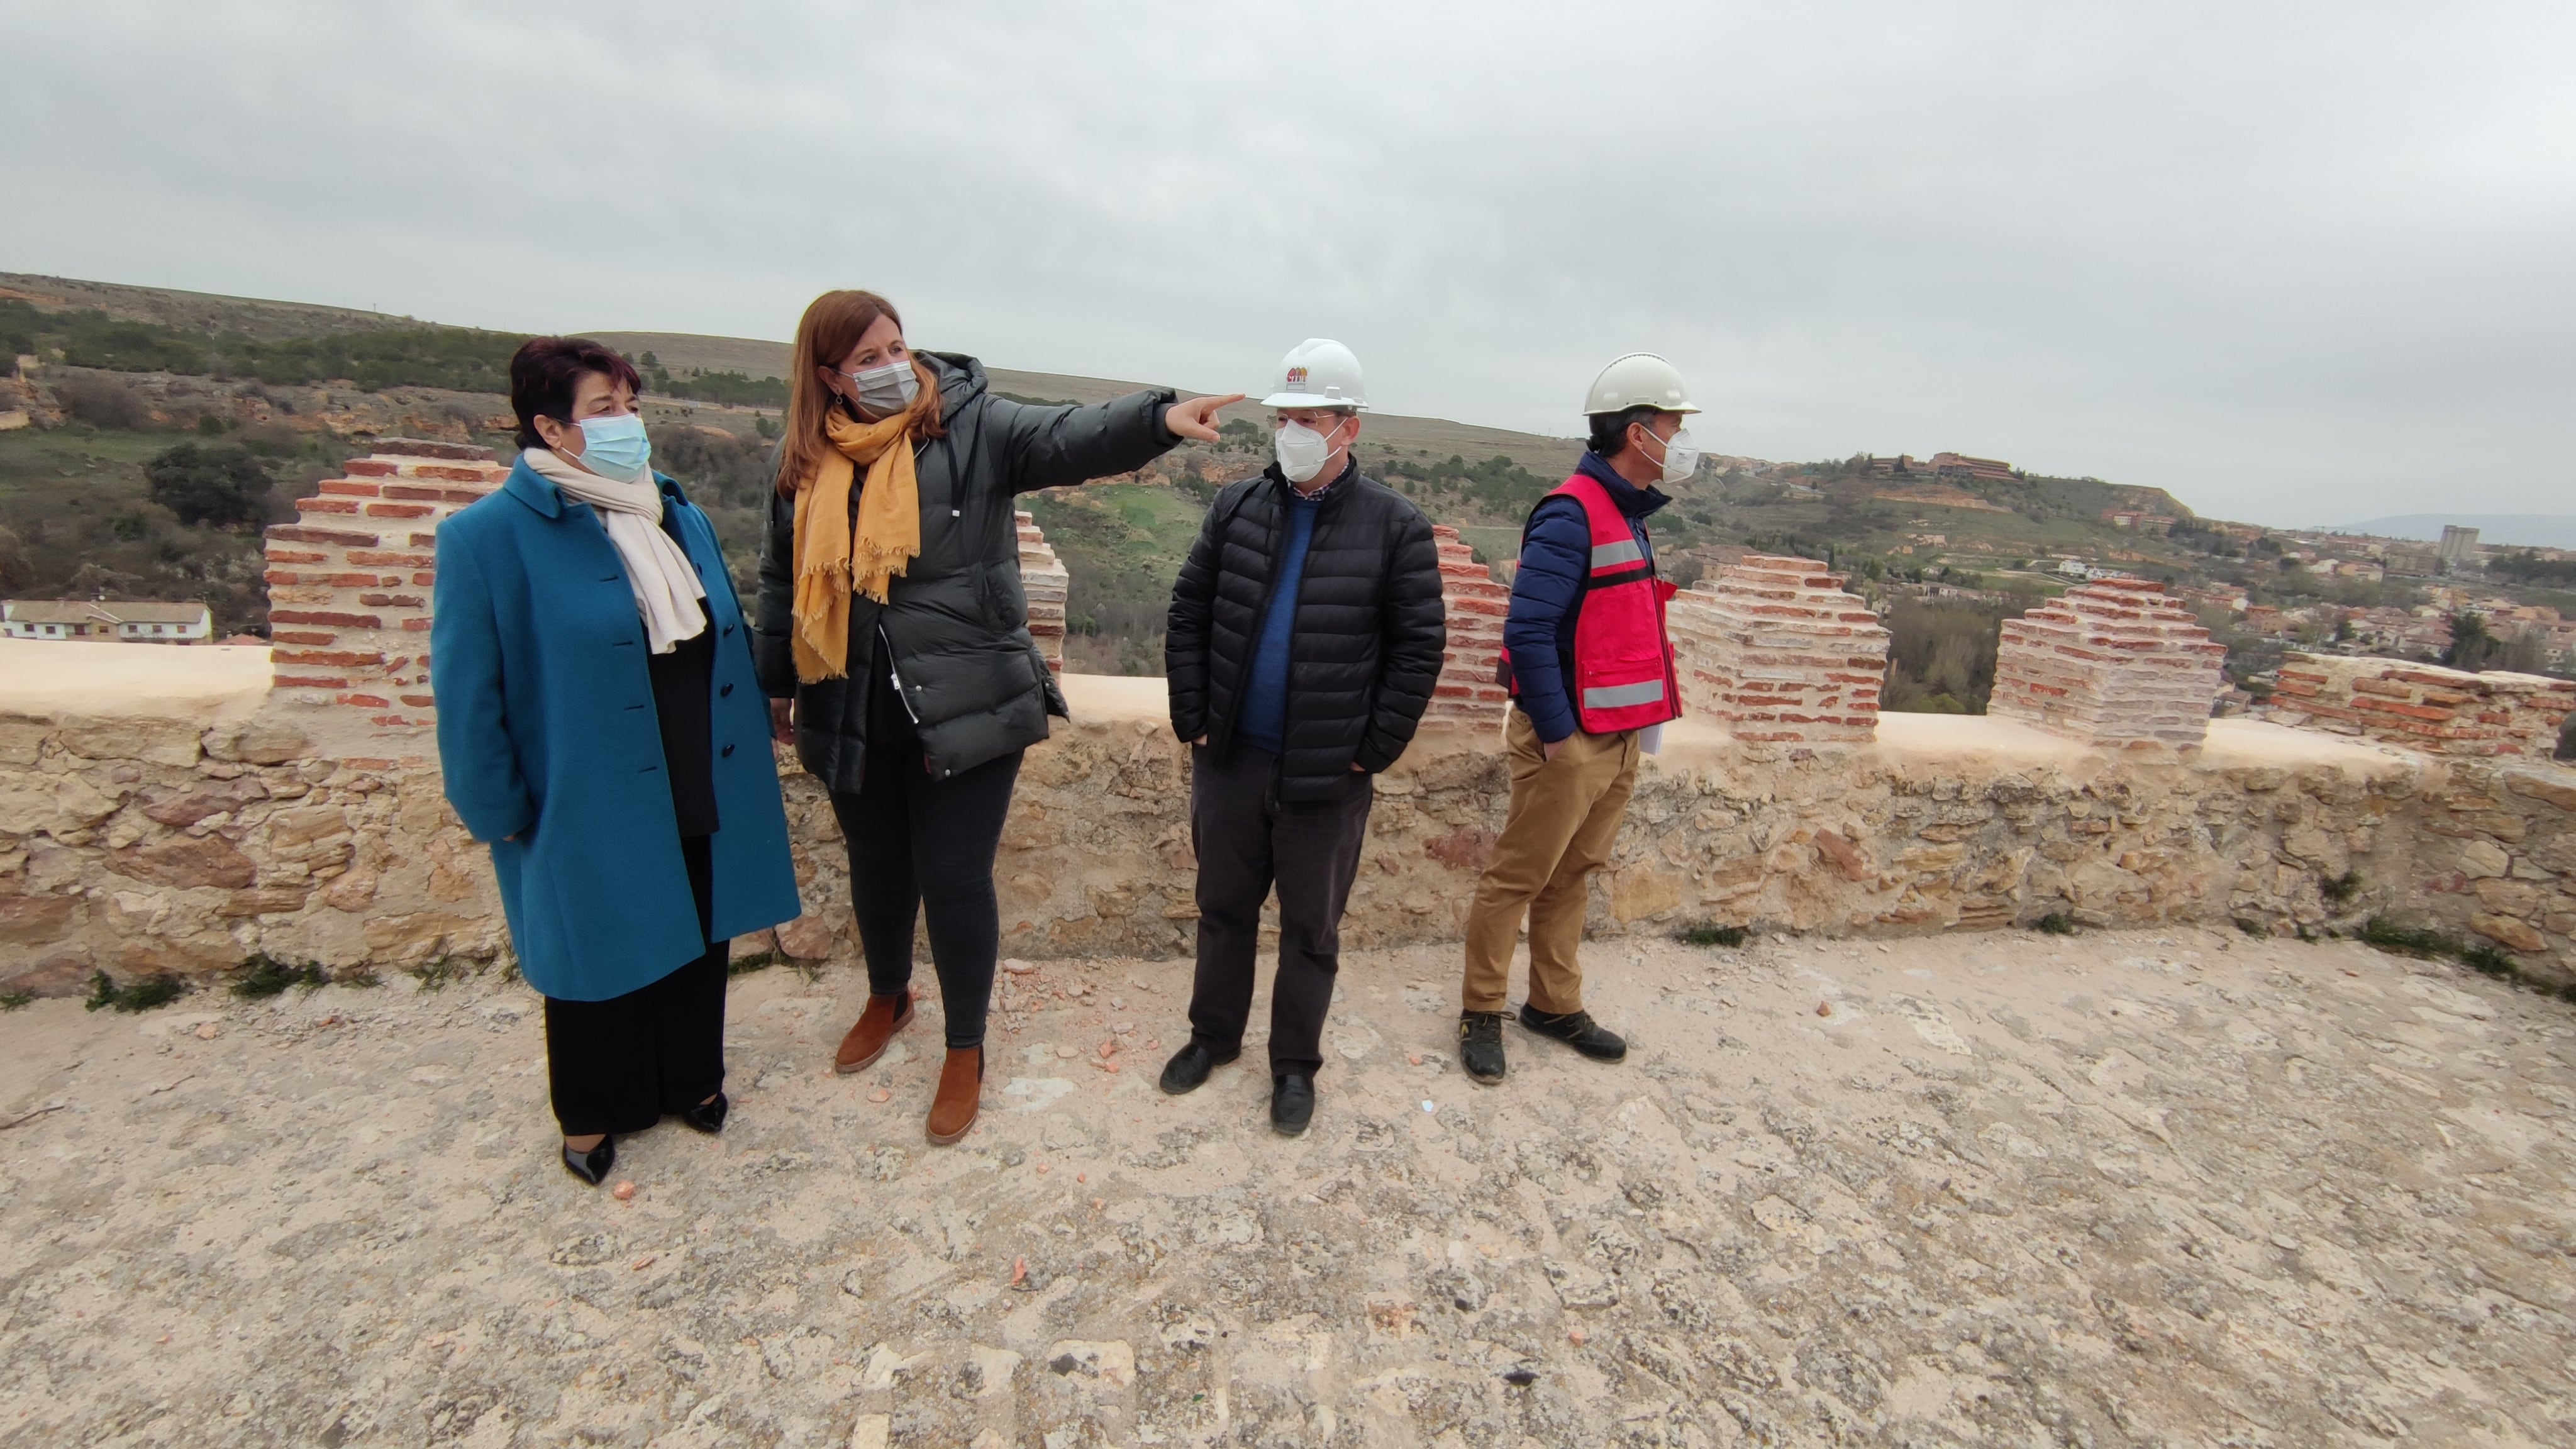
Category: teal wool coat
[552,752]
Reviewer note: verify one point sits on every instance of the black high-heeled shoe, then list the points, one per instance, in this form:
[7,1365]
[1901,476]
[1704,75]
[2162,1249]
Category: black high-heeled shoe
[707,1117]
[592,1166]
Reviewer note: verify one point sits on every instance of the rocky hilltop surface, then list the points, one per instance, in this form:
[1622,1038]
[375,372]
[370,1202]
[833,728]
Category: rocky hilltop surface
[2183,1188]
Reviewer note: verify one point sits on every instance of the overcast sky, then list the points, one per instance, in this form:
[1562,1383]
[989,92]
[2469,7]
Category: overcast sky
[2296,263]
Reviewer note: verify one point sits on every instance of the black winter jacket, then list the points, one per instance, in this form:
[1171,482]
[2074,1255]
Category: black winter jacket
[957,619]
[1369,633]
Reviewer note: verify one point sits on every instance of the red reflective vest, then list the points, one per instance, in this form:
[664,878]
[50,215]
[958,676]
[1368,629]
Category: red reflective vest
[1623,662]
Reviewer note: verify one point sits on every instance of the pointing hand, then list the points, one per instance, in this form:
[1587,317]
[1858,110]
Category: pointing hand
[1197,417]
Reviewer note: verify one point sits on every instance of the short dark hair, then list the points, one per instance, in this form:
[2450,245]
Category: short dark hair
[545,371]
[1610,430]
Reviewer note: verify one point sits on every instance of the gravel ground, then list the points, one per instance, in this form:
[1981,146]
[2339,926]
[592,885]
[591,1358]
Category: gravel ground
[2000,1189]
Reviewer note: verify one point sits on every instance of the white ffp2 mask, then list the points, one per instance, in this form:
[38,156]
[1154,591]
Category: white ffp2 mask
[1681,456]
[1302,450]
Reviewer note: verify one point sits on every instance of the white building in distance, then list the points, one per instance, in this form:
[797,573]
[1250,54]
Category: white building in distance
[131,623]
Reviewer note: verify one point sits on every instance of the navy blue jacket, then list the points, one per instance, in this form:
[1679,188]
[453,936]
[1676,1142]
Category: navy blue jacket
[1547,592]
[552,752]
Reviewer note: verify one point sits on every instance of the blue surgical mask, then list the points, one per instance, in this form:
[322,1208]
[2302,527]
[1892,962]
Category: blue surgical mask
[616,447]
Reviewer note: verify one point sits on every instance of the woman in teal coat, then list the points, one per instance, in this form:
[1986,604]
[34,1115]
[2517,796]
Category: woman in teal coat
[599,725]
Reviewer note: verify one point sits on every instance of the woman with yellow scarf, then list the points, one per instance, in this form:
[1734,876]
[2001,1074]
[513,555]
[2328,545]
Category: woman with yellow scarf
[891,613]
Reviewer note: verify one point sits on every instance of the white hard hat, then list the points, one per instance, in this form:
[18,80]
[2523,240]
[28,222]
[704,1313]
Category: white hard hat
[1638,380]
[1318,373]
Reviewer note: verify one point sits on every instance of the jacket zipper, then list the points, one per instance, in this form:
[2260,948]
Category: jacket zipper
[894,676]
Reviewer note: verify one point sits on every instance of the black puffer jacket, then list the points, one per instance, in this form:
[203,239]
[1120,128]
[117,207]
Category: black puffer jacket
[1367,640]
[957,619]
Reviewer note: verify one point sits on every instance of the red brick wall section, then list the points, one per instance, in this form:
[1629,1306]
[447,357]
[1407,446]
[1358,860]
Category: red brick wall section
[2116,661]
[1044,579]
[349,581]
[1467,693]
[2424,706]
[1775,650]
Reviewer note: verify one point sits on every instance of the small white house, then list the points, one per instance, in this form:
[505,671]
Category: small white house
[130,623]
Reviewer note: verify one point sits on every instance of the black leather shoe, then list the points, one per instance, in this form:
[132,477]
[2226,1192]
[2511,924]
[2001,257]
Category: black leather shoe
[707,1117]
[1578,1030]
[592,1166]
[1189,1067]
[1480,1045]
[1292,1103]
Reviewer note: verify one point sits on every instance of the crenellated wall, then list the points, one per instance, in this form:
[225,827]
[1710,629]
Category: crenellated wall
[349,581]
[2113,662]
[1774,649]
[178,811]
[1468,692]
[2425,706]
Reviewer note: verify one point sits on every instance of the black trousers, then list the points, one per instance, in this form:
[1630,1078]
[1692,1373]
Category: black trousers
[1247,841]
[920,846]
[618,1065]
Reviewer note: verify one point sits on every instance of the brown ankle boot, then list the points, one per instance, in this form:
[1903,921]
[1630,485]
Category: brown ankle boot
[961,1095]
[876,1026]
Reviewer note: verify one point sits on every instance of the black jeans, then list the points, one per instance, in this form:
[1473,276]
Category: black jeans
[618,1065]
[920,846]
[1247,840]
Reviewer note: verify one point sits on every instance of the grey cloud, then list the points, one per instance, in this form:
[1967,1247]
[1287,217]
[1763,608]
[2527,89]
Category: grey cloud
[2294,262]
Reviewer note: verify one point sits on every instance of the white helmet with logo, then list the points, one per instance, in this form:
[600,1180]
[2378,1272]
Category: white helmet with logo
[1318,373]
[1638,380]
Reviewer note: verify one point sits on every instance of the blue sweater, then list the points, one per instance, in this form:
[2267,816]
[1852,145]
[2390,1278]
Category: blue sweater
[1547,593]
[1264,719]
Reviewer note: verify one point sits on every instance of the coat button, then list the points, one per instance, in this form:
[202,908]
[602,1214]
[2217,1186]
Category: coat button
[721,693]
[728,750]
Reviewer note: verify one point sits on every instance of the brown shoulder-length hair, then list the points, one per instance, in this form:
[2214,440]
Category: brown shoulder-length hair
[831,326]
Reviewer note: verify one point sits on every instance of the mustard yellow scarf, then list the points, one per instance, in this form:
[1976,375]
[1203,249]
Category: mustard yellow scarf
[833,564]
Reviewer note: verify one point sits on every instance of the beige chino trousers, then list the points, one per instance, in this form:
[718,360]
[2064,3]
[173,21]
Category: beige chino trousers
[1565,813]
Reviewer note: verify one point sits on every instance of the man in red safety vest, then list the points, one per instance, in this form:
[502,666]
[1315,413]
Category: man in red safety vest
[1591,674]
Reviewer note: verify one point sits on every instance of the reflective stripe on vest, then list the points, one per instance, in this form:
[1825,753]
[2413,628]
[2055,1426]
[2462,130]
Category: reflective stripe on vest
[1623,663]
[1618,696]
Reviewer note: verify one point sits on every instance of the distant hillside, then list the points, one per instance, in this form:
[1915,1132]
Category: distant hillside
[282,390]
[198,312]
[2531,530]
[1433,437]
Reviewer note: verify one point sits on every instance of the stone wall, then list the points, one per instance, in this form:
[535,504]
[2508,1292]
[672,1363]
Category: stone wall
[146,845]
[2113,662]
[140,844]
[1776,650]
[2424,706]
[2495,856]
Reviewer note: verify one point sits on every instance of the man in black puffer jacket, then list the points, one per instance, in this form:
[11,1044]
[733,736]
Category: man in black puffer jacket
[1306,635]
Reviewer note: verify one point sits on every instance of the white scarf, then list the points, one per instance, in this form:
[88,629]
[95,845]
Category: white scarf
[666,584]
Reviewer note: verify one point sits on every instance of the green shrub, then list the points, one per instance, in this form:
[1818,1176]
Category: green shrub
[1709,933]
[141,994]
[2055,923]
[222,485]
[265,975]
[2385,935]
